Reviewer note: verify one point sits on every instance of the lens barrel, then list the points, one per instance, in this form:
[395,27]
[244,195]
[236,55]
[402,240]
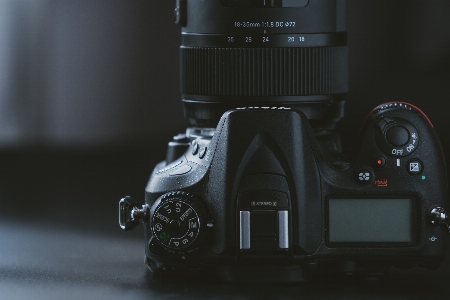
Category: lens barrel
[290,53]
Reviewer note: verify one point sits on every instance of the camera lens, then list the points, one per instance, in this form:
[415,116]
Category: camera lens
[241,53]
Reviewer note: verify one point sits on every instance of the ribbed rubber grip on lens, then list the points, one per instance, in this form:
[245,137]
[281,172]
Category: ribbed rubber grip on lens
[264,71]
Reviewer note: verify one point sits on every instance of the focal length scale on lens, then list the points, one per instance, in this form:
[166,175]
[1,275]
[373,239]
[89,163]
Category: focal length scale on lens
[175,224]
[264,39]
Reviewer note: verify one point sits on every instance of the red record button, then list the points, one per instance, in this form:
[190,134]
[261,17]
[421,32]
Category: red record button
[379,162]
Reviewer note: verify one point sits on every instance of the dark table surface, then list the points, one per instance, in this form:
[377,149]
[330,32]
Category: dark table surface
[60,239]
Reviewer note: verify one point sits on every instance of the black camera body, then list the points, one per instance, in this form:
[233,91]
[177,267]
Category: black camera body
[260,200]
[266,194]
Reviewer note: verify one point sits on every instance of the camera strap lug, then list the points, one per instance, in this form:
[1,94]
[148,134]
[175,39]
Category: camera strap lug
[130,214]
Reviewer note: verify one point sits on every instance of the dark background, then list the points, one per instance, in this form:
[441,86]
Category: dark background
[89,98]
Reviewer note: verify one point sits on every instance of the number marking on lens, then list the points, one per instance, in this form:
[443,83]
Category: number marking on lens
[249,24]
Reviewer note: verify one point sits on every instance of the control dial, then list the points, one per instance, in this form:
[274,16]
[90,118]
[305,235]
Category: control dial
[396,136]
[178,221]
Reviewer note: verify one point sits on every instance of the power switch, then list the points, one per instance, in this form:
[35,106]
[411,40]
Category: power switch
[384,123]
[396,136]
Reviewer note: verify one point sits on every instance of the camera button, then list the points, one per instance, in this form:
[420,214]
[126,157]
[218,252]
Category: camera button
[397,135]
[414,167]
[379,162]
[364,176]
[202,152]
[195,148]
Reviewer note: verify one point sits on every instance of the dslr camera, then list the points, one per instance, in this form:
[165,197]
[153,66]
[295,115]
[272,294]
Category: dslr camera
[259,189]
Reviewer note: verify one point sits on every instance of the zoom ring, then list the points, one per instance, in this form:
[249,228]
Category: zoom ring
[264,71]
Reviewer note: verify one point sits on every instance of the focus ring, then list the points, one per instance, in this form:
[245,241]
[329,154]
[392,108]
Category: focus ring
[264,71]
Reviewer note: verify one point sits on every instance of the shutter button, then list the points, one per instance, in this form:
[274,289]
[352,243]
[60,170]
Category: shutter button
[397,135]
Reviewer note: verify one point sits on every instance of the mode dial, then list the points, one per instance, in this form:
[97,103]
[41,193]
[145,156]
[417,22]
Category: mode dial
[178,221]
